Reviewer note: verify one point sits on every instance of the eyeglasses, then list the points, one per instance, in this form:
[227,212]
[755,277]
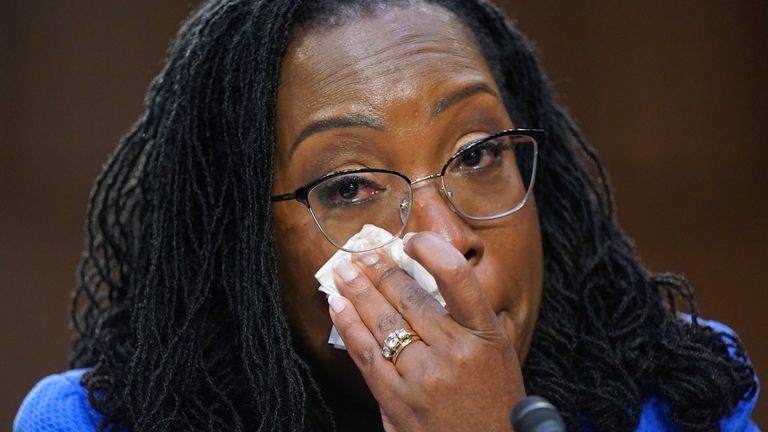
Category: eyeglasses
[484,180]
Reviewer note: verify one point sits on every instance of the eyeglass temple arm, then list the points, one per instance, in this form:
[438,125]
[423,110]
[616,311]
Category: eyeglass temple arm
[283,197]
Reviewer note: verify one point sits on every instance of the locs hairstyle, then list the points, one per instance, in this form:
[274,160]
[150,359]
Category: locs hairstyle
[177,308]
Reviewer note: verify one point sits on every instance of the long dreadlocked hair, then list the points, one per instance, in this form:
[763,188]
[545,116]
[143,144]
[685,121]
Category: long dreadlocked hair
[177,309]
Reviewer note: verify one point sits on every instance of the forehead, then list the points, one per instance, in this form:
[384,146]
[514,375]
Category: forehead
[371,64]
[384,44]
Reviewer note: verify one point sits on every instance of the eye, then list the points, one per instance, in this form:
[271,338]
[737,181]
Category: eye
[348,190]
[477,157]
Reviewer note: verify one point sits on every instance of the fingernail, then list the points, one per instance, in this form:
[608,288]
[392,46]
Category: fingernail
[407,237]
[369,258]
[337,303]
[345,269]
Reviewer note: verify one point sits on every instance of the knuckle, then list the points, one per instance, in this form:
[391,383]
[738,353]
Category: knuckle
[389,274]
[366,356]
[359,293]
[463,356]
[413,298]
[459,270]
[433,380]
[387,321]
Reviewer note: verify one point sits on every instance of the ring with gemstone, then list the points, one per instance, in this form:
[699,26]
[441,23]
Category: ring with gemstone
[396,342]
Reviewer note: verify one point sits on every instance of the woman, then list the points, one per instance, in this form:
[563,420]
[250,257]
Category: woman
[197,308]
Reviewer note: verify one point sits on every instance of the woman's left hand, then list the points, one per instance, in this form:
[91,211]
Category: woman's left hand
[463,374]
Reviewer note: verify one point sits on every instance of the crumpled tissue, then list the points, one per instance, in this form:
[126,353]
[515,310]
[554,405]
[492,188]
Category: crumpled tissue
[375,235]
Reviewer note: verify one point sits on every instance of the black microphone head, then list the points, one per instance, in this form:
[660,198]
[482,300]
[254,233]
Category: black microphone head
[536,414]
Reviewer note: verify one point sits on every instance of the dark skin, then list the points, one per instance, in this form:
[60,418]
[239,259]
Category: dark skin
[404,90]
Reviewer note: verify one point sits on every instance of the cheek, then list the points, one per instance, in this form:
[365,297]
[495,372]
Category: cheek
[513,255]
[512,273]
[302,250]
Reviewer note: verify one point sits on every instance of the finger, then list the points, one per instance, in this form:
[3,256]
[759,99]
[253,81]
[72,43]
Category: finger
[381,377]
[413,359]
[412,301]
[379,316]
[465,299]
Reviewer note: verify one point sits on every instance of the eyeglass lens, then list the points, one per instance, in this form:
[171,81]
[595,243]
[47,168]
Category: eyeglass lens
[491,179]
[341,205]
[487,180]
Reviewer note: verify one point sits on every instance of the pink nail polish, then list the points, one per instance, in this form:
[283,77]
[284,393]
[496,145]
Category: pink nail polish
[345,269]
[369,258]
[407,237]
[337,303]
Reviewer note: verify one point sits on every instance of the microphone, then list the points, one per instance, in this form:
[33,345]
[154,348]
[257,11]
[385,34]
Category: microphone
[536,414]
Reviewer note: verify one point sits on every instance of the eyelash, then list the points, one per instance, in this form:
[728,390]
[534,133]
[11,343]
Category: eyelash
[482,128]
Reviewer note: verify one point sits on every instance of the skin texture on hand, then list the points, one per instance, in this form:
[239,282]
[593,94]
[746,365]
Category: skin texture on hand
[463,374]
[425,89]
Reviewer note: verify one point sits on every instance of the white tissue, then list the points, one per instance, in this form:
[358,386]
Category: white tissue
[375,235]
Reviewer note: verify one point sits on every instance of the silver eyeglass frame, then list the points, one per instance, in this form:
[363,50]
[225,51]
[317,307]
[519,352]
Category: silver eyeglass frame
[301,194]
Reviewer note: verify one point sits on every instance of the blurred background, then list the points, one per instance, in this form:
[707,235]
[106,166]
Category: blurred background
[672,94]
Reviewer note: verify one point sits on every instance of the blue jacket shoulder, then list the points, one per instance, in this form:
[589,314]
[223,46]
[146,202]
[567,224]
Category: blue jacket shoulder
[57,403]
[656,417]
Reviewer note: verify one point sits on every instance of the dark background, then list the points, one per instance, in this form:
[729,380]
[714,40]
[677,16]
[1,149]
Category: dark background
[673,95]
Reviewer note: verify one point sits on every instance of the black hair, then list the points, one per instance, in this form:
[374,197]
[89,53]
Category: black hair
[177,310]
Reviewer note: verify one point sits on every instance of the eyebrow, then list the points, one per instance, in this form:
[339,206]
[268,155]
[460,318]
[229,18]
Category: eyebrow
[376,123]
[354,120]
[459,95]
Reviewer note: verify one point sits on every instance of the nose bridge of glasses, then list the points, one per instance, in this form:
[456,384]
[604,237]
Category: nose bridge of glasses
[440,188]
[433,211]
[418,184]
[425,178]
[445,194]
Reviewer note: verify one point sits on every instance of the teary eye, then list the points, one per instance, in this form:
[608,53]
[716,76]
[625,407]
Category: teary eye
[348,190]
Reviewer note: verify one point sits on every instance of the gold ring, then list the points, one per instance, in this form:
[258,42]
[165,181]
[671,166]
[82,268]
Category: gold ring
[396,342]
[402,346]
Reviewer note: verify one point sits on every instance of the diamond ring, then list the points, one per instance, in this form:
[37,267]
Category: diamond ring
[396,342]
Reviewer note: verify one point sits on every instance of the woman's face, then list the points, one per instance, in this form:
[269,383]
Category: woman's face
[405,89]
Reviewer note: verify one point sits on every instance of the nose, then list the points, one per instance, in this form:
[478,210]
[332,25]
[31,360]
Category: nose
[431,212]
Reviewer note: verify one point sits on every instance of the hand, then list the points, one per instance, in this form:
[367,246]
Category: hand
[463,375]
